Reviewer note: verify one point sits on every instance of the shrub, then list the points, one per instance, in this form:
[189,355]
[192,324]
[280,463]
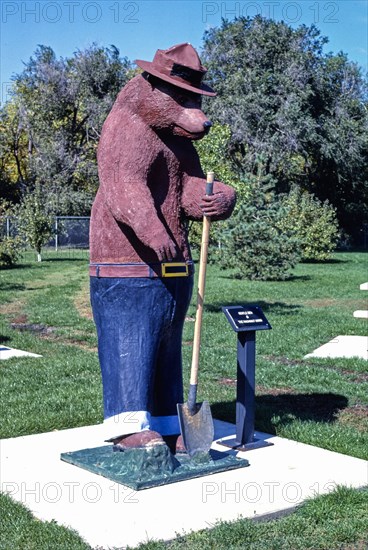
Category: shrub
[9,251]
[10,247]
[255,243]
[315,224]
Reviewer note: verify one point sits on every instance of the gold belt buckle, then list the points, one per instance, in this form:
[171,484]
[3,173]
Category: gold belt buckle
[178,269]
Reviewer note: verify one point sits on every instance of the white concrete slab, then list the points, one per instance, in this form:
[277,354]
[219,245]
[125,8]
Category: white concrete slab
[343,346]
[7,353]
[361,314]
[110,515]
[364,286]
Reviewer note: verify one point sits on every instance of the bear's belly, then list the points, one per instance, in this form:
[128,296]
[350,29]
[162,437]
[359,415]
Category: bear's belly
[114,242]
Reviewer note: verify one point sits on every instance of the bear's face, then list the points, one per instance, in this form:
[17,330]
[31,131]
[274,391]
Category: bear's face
[171,109]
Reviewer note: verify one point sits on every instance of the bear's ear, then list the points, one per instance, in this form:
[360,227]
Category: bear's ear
[150,79]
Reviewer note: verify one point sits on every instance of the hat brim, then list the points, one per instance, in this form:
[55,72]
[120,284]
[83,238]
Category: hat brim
[148,67]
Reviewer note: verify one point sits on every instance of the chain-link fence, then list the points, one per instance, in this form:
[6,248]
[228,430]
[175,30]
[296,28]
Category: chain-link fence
[8,227]
[69,231]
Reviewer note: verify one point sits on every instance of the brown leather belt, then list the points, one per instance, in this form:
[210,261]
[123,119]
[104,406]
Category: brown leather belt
[168,269]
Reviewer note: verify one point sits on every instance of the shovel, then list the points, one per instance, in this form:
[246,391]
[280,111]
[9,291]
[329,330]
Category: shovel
[195,419]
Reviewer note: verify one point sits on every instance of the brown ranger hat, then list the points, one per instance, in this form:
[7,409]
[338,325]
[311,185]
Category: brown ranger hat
[179,65]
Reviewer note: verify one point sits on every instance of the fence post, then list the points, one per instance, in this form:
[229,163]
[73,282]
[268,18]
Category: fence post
[56,233]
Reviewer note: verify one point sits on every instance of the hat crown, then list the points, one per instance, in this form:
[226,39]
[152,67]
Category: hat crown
[183,54]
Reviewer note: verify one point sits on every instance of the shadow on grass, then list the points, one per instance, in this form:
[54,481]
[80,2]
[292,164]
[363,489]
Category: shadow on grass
[294,279]
[11,286]
[291,279]
[47,260]
[275,307]
[15,267]
[18,266]
[280,410]
[322,262]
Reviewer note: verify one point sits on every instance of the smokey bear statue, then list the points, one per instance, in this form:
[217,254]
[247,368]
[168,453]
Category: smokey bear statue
[141,270]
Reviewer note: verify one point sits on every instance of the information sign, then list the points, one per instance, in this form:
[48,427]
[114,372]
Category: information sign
[245,318]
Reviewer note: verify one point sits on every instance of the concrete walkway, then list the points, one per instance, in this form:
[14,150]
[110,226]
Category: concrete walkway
[110,515]
[362,313]
[343,346]
[8,353]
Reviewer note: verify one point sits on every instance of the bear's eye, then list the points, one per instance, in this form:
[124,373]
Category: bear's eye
[182,99]
[189,101]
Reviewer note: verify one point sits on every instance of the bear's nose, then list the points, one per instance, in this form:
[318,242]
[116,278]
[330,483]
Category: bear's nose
[207,125]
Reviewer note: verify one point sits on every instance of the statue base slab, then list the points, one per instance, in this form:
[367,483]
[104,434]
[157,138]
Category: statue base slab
[151,467]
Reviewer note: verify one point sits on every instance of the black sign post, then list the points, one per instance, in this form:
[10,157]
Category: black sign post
[245,321]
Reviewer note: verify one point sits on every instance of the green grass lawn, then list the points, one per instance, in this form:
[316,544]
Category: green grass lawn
[44,308]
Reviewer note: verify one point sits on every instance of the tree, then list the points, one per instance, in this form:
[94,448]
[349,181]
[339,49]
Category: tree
[13,153]
[58,108]
[305,112]
[213,153]
[339,172]
[34,223]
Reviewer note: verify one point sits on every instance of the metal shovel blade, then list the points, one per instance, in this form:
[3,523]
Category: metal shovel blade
[196,427]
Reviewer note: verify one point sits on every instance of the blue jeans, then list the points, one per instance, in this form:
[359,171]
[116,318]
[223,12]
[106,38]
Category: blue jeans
[139,325]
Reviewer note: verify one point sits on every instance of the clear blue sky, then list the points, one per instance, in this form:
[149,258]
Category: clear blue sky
[139,28]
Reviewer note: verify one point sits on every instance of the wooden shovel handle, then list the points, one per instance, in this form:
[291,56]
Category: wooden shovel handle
[201,287]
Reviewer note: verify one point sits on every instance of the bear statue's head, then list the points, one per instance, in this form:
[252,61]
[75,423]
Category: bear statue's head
[171,90]
[173,110]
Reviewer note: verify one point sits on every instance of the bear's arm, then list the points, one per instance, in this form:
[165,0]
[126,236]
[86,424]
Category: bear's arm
[195,204]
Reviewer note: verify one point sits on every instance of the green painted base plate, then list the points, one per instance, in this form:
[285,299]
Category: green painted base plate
[151,467]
